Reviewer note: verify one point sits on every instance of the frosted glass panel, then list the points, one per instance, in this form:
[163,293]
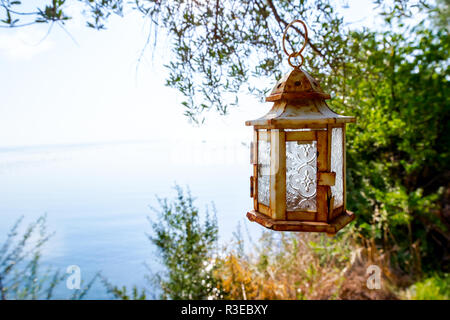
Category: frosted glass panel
[264,172]
[301,176]
[337,166]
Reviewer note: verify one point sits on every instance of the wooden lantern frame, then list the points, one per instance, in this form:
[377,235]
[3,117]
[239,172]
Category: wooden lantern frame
[299,114]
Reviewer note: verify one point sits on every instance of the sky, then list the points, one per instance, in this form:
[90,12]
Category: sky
[57,90]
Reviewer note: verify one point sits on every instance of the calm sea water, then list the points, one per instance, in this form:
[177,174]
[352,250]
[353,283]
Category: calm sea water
[97,198]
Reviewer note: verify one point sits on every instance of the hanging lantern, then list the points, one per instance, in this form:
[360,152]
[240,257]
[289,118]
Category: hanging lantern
[298,157]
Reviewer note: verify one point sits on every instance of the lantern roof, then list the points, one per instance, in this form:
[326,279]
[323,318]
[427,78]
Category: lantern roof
[297,84]
[299,102]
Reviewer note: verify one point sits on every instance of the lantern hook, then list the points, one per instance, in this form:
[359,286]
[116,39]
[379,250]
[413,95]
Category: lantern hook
[299,53]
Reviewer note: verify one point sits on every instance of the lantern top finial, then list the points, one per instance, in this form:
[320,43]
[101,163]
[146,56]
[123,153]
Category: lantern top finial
[297,84]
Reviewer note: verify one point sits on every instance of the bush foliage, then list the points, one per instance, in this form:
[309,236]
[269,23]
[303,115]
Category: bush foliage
[186,247]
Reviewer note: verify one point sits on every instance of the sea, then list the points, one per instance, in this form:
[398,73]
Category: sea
[99,199]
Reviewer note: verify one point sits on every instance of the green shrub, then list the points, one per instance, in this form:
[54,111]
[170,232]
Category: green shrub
[433,288]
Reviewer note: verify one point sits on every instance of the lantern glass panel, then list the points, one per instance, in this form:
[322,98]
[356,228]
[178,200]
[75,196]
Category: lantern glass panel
[263,172]
[337,166]
[301,171]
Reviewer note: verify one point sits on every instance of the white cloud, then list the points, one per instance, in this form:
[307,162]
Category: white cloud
[23,44]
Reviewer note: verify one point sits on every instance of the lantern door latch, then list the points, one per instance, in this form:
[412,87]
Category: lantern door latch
[251,186]
[326,178]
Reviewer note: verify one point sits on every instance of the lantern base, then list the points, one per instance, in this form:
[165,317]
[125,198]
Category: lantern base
[303,226]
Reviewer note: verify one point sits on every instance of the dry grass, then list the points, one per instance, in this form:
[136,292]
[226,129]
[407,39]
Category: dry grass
[305,266]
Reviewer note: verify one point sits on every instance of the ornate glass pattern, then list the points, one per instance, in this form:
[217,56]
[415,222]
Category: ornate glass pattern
[337,190]
[301,175]
[263,172]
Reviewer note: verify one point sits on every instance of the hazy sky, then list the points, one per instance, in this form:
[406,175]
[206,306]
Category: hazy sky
[57,91]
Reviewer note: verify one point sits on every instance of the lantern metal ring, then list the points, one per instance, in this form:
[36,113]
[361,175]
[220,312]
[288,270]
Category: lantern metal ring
[299,53]
[294,55]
